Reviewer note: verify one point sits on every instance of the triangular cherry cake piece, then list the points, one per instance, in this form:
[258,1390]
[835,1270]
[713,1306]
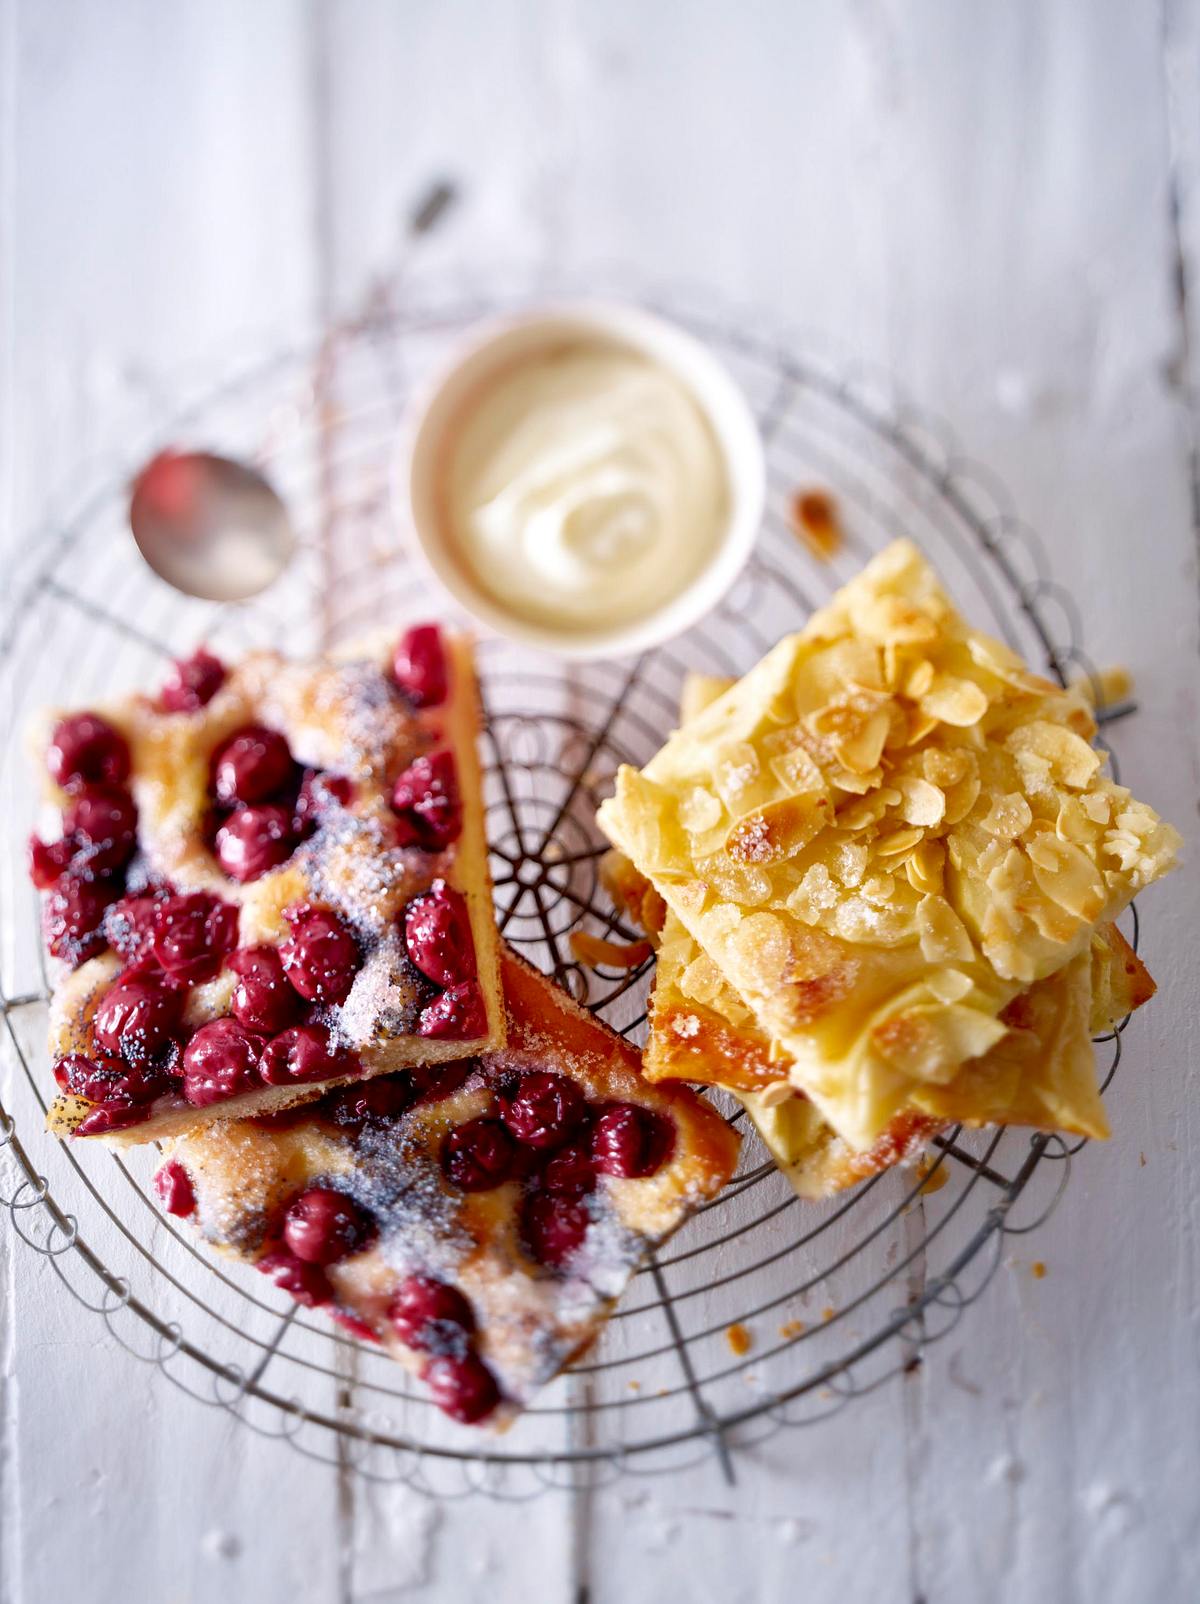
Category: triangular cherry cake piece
[270,878]
[479,1219]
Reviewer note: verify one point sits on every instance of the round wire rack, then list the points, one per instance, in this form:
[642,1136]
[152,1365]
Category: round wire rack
[833,1298]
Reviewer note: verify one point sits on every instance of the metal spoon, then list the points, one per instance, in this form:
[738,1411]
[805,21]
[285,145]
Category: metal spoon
[214,528]
[210,526]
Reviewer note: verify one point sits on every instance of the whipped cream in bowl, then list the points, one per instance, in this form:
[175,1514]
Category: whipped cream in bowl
[586,479]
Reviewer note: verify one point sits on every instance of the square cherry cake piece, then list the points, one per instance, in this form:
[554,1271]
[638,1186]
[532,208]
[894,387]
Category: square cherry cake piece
[880,837]
[270,878]
[478,1218]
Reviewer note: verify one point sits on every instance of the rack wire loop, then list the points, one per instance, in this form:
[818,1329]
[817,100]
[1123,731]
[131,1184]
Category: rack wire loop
[835,1299]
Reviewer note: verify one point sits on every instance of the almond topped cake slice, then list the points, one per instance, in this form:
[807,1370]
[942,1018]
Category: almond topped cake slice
[881,836]
[270,878]
[478,1218]
[1041,1073]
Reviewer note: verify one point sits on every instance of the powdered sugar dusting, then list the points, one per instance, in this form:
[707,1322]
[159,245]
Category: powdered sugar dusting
[610,1250]
[419,1219]
[348,717]
[754,841]
[385,999]
[353,864]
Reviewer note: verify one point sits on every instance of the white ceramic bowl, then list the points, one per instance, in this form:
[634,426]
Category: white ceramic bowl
[494,346]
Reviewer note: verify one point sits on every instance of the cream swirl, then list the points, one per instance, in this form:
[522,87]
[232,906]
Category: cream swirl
[585,486]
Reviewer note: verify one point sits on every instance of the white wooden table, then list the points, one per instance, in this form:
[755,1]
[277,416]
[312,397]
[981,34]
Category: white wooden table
[1001,203]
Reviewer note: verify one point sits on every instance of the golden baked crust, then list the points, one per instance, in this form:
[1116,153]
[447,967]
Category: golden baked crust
[343,716]
[1042,1074]
[881,835]
[530,1320]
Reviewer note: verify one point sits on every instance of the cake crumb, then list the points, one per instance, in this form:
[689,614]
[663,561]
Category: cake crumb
[739,1338]
[931,1178]
[1039,1269]
[596,951]
[815,521]
[790,1329]
[635,1386]
[828,1312]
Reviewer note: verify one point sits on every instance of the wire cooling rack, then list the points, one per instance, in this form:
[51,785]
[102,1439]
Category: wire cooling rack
[833,1299]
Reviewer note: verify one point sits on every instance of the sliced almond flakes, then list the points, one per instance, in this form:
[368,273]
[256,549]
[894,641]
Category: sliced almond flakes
[950,700]
[778,831]
[920,802]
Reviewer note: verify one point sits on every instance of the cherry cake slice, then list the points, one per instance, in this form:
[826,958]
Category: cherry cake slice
[266,879]
[477,1218]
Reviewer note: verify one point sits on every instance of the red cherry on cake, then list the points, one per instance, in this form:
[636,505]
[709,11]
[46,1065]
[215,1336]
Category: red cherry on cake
[319,794]
[431,1083]
[419,666]
[100,821]
[192,934]
[111,1080]
[462,1386]
[384,1098]
[129,925]
[478,1155]
[553,1227]
[73,915]
[173,1185]
[106,1117]
[428,1314]
[253,765]
[193,683]
[437,935]
[570,1173]
[303,1053]
[85,749]
[79,1074]
[253,841]
[307,1283]
[324,1225]
[321,956]
[457,1015]
[48,861]
[262,998]
[544,1110]
[221,1061]
[138,1015]
[96,1078]
[631,1142]
[427,804]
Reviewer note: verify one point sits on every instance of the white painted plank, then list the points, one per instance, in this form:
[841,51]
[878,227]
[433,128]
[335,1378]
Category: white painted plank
[977,194]
[10,1560]
[1063,391]
[156,201]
